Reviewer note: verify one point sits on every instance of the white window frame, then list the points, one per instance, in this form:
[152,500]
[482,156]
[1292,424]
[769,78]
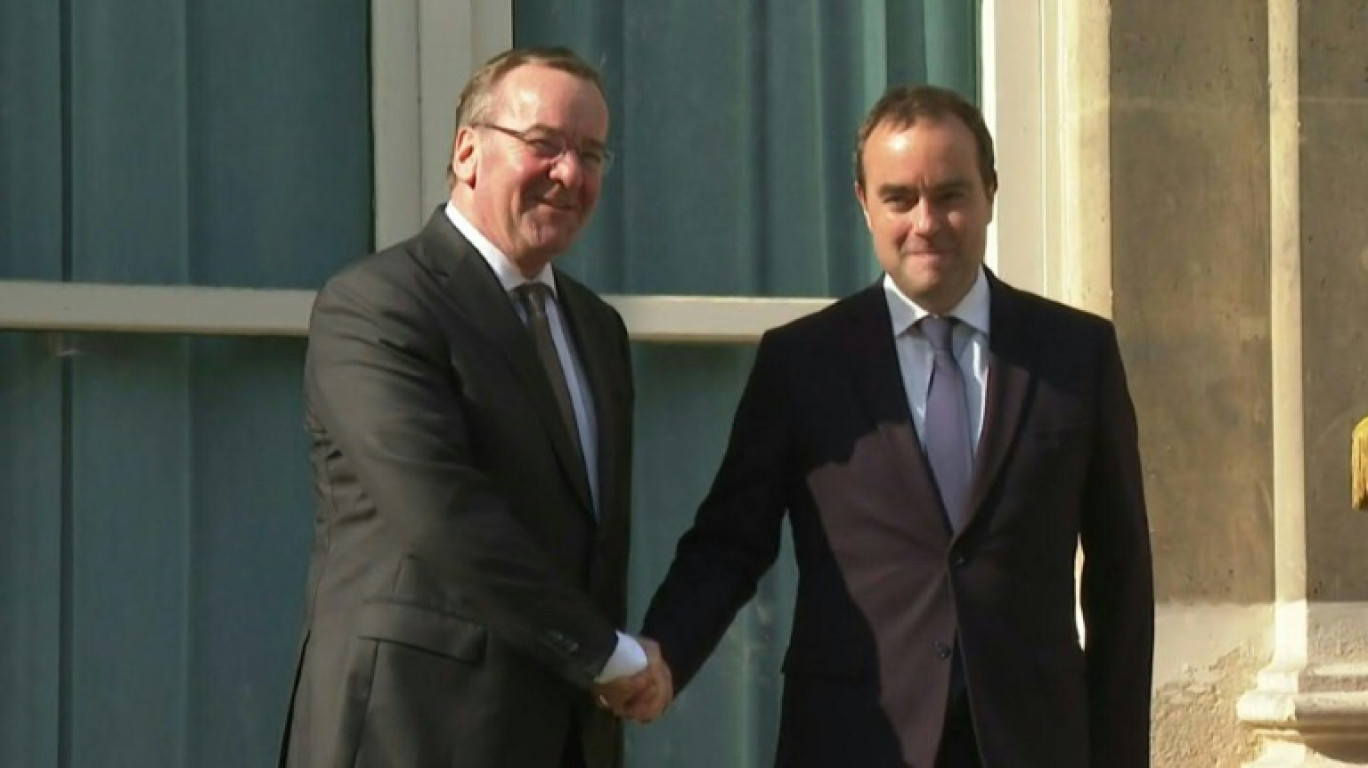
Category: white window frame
[424,50]
[1046,98]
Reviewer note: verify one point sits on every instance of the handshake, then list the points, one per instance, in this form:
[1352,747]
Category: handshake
[641,697]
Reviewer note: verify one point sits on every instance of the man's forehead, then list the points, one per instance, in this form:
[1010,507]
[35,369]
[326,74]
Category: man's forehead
[548,96]
[529,82]
[892,176]
[954,148]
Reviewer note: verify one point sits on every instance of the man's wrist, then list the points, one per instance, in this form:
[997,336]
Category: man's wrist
[628,659]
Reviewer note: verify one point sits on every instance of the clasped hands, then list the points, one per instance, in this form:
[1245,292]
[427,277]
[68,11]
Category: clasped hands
[641,697]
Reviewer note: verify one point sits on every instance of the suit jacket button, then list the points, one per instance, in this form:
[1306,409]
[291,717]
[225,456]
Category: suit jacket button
[960,561]
[942,651]
[562,641]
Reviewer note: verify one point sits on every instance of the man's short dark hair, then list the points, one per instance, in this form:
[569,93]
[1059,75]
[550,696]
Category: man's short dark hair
[902,106]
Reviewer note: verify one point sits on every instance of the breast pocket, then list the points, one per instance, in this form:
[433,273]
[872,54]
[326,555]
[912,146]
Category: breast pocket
[1055,437]
[1045,474]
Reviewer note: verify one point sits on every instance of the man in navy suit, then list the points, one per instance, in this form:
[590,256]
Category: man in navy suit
[940,443]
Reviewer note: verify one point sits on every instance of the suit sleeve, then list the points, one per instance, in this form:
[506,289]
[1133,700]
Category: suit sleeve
[378,378]
[735,536]
[1117,581]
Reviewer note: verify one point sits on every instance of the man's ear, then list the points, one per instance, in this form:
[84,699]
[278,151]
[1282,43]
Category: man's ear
[864,208]
[465,155]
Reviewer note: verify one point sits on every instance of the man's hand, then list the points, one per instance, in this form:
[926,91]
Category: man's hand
[641,697]
[651,701]
[615,694]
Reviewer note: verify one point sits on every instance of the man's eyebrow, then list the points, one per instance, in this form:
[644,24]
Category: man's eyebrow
[894,190]
[953,185]
[949,185]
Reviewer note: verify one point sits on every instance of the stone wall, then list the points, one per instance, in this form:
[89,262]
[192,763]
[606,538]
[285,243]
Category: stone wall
[1253,583]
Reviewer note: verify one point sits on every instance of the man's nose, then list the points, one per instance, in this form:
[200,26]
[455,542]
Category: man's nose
[926,218]
[568,169]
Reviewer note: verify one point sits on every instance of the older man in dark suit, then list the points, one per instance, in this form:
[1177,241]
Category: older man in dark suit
[940,443]
[471,413]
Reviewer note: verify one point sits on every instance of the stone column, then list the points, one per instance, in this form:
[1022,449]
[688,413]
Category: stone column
[1309,706]
[1080,273]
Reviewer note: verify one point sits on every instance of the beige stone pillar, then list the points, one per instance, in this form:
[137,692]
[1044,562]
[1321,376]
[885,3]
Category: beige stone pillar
[1309,706]
[1080,273]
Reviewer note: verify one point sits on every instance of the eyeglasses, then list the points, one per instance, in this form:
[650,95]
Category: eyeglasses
[551,147]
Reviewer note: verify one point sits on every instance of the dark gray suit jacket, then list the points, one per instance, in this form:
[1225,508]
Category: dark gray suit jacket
[462,592]
[823,435]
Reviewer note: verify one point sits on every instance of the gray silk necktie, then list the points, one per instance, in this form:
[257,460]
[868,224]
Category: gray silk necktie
[948,444]
[532,298]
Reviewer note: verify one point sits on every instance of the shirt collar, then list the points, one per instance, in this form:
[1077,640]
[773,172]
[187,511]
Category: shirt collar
[972,310]
[508,275]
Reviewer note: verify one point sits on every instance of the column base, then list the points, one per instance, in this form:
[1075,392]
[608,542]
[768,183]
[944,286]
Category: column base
[1309,717]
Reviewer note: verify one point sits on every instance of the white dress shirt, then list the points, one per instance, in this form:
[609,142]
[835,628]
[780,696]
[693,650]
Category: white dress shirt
[915,355]
[628,658]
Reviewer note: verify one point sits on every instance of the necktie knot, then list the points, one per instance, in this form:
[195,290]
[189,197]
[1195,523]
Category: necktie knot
[940,331]
[532,296]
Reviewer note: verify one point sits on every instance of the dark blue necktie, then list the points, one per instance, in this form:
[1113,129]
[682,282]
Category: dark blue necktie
[948,443]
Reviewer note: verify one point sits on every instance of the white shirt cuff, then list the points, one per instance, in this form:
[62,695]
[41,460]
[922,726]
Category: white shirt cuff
[628,659]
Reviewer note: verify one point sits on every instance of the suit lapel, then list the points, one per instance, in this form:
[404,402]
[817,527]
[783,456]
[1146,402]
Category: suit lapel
[1009,384]
[874,364]
[480,297]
